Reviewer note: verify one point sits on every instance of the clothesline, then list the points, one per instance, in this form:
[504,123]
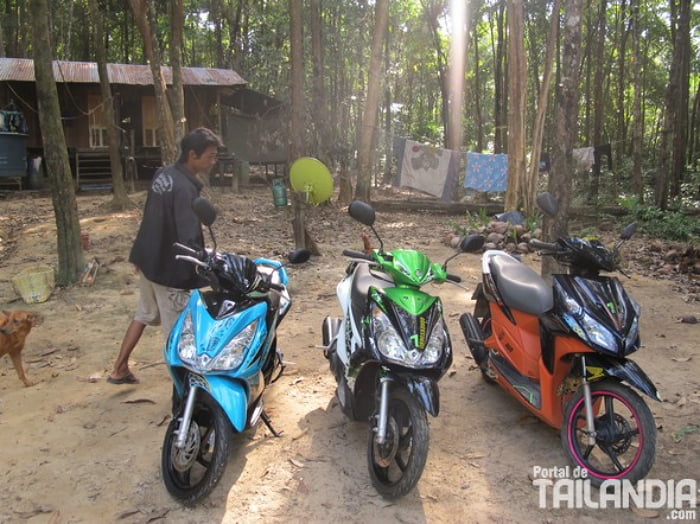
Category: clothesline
[436,171]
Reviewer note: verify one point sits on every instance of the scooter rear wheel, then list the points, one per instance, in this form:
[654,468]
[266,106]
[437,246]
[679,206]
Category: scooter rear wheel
[396,466]
[191,473]
[625,433]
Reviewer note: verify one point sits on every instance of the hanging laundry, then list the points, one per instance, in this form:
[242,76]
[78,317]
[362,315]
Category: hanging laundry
[584,158]
[425,168]
[486,172]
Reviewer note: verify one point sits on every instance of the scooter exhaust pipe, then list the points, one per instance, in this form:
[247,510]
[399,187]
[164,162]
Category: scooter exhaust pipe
[474,336]
[329,328]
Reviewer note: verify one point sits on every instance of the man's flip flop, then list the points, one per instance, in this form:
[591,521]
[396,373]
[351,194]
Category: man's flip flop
[129,378]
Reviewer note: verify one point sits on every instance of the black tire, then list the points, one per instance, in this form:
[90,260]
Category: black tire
[191,474]
[396,466]
[626,434]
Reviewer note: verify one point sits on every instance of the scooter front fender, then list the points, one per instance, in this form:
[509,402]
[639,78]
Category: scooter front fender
[426,391]
[626,370]
[232,396]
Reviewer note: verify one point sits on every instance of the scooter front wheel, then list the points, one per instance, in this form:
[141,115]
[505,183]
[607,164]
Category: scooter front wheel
[396,465]
[190,473]
[625,439]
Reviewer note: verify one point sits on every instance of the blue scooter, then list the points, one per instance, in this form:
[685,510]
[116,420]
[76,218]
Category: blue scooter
[221,354]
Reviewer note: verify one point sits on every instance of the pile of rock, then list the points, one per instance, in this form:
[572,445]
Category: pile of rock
[513,238]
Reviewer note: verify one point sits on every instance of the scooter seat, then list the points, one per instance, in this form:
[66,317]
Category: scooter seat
[521,287]
[364,279]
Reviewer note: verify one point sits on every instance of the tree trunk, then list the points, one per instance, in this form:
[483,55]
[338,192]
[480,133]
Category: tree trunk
[296,88]
[69,247]
[598,98]
[538,127]
[145,16]
[120,199]
[477,93]
[621,134]
[432,11]
[297,80]
[637,118]
[455,111]
[567,130]
[500,96]
[369,116]
[680,122]
[517,90]
[665,173]
[320,114]
[177,99]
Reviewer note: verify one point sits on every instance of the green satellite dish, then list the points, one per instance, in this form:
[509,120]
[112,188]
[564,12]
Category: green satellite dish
[313,178]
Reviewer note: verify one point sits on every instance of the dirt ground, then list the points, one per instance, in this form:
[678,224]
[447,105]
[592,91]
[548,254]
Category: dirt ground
[77,449]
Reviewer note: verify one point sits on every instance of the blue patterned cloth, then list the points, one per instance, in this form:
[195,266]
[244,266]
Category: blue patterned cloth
[486,173]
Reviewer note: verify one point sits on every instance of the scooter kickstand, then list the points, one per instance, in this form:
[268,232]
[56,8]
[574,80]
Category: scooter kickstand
[266,419]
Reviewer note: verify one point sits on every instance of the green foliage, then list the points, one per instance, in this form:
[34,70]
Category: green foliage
[668,225]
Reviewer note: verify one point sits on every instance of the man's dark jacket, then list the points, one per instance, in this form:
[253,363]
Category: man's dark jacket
[168,218]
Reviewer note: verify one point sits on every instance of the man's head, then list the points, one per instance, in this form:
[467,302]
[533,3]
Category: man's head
[198,150]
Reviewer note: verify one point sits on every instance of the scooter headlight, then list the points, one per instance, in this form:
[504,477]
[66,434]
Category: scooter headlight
[388,339]
[391,345]
[186,348]
[591,331]
[598,334]
[227,358]
[232,354]
[436,343]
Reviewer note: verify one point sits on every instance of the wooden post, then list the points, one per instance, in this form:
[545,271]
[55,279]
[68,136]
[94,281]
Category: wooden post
[298,205]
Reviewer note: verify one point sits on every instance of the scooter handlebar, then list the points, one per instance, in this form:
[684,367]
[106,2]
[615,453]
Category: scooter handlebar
[358,254]
[194,260]
[545,246]
[453,278]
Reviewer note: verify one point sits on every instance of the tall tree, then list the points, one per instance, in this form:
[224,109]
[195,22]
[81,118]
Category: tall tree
[500,91]
[70,251]
[517,76]
[567,102]
[369,116]
[320,112]
[668,171]
[637,122]
[433,10]
[538,127]
[145,16]
[120,199]
[177,98]
[296,87]
[680,122]
[598,98]
[456,76]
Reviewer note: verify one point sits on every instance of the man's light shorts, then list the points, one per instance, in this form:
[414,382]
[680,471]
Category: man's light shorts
[159,305]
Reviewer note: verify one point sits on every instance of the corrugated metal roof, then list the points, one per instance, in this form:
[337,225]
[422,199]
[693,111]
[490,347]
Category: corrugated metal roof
[22,70]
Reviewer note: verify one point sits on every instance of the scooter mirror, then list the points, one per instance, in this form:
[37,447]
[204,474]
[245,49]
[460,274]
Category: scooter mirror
[362,212]
[547,203]
[628,231]
[471,243]
[299,256]
[204,210]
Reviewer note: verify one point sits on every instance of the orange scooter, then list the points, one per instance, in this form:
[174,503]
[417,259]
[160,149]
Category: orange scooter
[561,349]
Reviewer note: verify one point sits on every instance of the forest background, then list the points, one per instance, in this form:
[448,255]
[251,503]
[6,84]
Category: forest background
[486,76]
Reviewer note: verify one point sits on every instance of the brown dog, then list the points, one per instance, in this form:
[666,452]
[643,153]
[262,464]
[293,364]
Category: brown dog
[15,325]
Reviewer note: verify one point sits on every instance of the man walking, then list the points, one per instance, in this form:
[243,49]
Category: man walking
[164,282]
